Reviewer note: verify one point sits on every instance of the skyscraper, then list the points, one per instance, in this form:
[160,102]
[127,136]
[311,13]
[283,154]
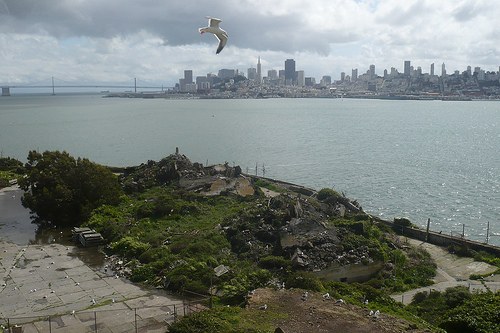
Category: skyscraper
[272,74]
[372,72]
[407,68]
[289,71]
[443,70]
[432,69]
[188,76]
[354,76]
[259,72]
[252,74]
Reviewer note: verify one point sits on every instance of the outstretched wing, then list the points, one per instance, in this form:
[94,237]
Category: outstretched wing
[213,22]
[222,42]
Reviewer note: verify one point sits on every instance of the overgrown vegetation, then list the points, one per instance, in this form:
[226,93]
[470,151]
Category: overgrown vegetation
[10,169]
[457,310]
[174,238]
[63,190]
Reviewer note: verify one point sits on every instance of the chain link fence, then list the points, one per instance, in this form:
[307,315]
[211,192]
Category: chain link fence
[116,318]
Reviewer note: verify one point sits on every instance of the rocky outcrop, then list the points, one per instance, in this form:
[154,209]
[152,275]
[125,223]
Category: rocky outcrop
[289,224]
[193,177]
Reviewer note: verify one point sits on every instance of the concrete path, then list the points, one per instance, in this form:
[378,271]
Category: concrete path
[38,281]
[452,271]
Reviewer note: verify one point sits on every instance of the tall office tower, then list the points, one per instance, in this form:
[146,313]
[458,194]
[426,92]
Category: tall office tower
[354,76]
[327,79]
[259,72]
[272,74]
[432,69]
[289,72]
[342,76]
[469,70]
[443,70]
[188,76]
[252,74]
[407,68]
[301,78]
[372,72]
[228,73]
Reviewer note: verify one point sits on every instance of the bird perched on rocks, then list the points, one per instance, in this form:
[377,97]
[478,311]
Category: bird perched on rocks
[340,301]
[263,307]
[376,314]
[327,295]
[371,313]
[213,27]
[304,296]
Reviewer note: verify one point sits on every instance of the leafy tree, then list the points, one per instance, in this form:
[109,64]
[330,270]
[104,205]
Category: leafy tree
[63,190]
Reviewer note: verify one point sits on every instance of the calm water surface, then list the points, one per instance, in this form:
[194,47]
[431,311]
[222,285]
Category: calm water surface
[414,159]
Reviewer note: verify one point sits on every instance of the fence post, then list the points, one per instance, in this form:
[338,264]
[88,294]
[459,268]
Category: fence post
[135,319]
[95,321]
[175,314]
[427,233]
[50,326]
[8,325]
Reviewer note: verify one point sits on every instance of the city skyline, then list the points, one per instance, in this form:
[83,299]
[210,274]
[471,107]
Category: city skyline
[114,41]
[291,75]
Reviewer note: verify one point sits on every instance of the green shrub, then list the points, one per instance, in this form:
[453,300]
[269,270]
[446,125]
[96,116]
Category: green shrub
[304,280]
[129,247]
[274,262]
[326,193]
[142,273]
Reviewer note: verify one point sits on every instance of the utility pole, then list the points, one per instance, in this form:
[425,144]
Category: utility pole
[53,90]
[488,232]
[135,84]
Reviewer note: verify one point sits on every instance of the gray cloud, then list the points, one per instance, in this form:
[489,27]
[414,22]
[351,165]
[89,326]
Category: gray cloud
[175,21]
[160,38]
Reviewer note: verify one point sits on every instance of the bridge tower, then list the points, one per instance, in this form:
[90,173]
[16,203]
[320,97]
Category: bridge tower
[5,91]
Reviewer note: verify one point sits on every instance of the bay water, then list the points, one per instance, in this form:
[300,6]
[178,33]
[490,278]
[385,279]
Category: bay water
[413,159]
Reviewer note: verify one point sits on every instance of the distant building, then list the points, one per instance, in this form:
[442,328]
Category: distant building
[407,71]
[432,69]
[259,72]
[188,76]
[354,76]
[188,79]
[227,73]
[301,78]
[190,87]
[372,72]
[252,74]
[272,74]
[310,81]
[443,70]
[290,77]
[327,79]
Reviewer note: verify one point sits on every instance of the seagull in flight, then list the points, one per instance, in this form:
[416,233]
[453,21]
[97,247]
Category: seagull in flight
[213,27]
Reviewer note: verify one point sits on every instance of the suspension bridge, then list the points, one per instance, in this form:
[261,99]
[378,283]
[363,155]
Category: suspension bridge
[52,84]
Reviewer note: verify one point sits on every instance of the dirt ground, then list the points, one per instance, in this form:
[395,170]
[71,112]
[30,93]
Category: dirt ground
[318,314]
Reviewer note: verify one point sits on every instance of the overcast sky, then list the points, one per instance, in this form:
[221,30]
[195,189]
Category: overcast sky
[156,40]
